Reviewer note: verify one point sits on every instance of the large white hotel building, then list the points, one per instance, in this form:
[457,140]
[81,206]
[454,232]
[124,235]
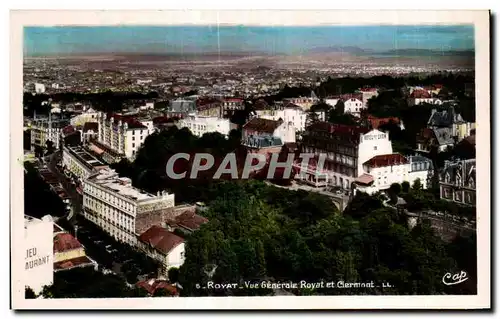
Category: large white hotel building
[121,210]
[357,157]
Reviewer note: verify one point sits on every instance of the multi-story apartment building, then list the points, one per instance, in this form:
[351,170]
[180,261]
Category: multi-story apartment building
[120,136]
[121,210]
[457,182]
[80,162]
[289,113]
[200,125]
[47,129]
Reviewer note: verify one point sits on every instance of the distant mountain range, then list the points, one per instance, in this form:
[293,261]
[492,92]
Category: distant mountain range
[353,50]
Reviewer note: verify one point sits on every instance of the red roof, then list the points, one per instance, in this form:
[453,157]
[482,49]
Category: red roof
[262,125]
[64,242]
[131,121]
[386,160]
[420,94]
[161,239]
[338,128]
[152,285]
[233,100]
[189,220]
[71,263]
[349,96]
[68,130]
[365,179]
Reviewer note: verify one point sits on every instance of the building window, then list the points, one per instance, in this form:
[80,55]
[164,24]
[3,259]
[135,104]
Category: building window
[374,148]
[133,144]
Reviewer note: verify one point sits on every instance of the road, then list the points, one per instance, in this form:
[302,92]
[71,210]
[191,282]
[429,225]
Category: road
[339,199]
[76,199]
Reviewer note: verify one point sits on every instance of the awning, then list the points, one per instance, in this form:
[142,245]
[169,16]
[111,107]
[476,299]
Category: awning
[364,179]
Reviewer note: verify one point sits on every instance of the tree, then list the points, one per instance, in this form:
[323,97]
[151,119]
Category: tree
[417,185]
[138,292]
[50,147]
[29,293]
[405,187]
[395,188]
[162,292]
[38,151]
[312,117]
[173,274]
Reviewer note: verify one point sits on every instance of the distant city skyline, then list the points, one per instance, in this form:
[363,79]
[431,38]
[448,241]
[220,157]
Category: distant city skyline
[64,40]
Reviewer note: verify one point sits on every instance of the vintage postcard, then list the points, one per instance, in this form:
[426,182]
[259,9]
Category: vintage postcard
[250,160]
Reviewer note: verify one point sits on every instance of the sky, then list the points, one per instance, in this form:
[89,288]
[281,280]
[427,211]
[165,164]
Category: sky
[272,40]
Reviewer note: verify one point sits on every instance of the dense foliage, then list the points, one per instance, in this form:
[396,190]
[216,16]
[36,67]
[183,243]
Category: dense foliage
[259,232]
[88,283]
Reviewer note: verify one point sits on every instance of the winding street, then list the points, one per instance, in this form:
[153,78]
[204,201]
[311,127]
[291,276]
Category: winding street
[76,199]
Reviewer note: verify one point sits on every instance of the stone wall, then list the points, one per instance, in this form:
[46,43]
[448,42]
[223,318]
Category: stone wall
[146,220]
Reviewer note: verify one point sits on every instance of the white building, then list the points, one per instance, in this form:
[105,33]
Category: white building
[121,210]
[420,96]
[164,246]
[39,88]
[332,101]
[354,106]
[147,106]
[346,149]
[420,168]
[200,125]
[46,129]
[80,162]
[264,127]
[381,171]
[353,103]
[37,253]
[121,136]
[289,114]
